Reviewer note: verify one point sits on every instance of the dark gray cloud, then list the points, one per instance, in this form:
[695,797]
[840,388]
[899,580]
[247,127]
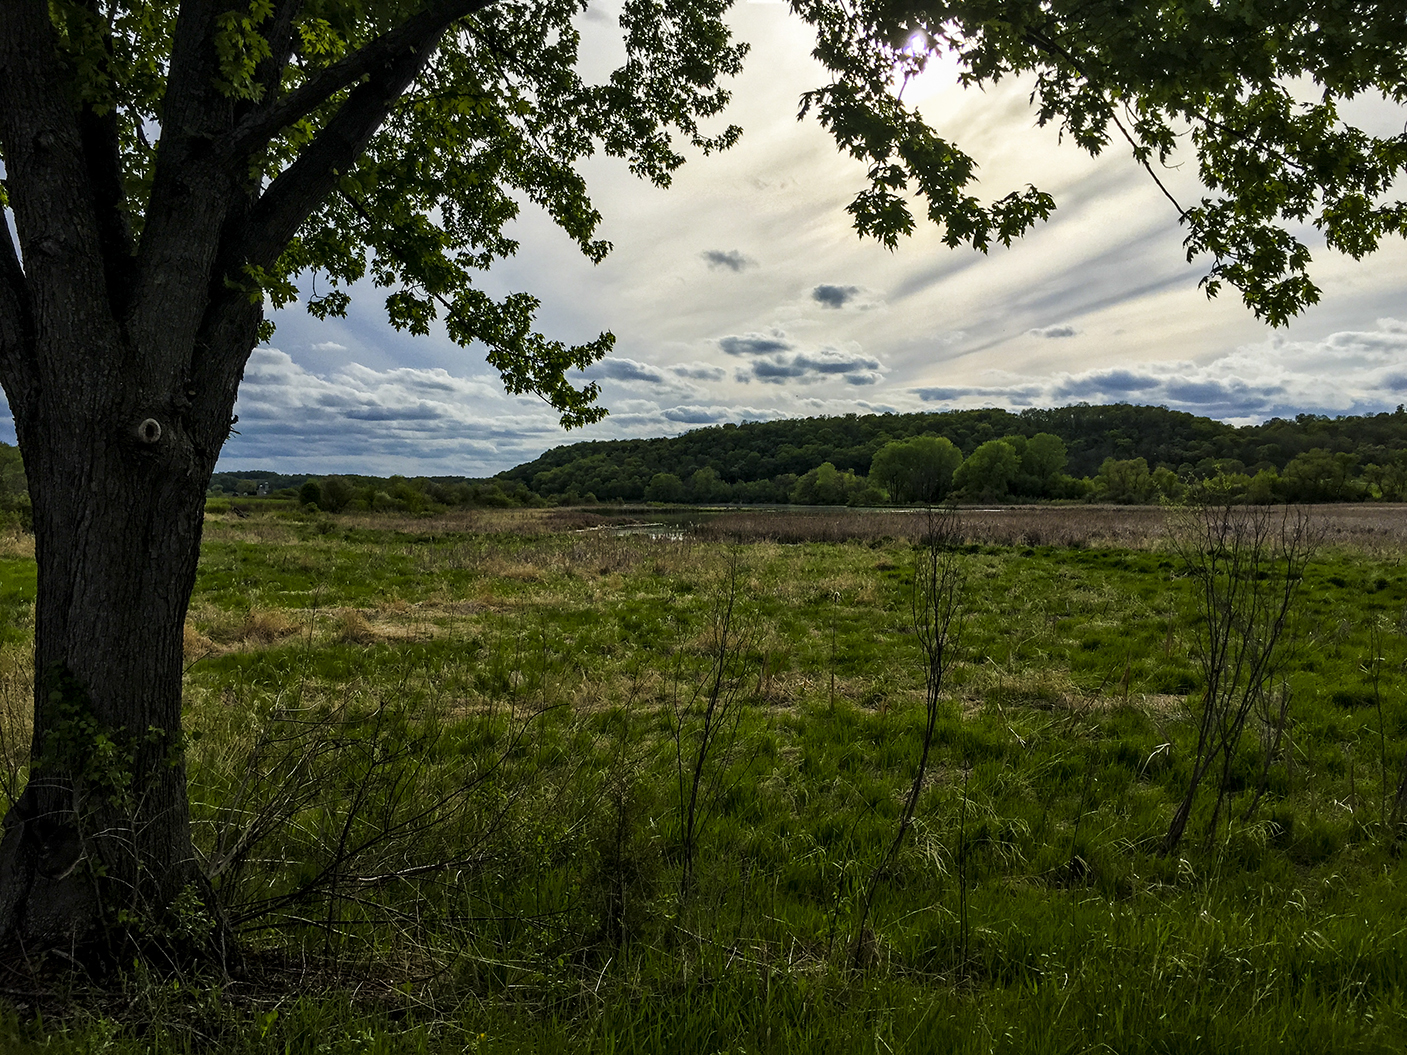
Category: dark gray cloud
[697,415]
[699,371]
[1218,397]
[615,369]
[1053,331]
[646,418]
[1211,392]
[982,395]
[732,259]
[776,360]
[418,413]
[755,344]
[941,395]
[413,421]
[806,367]
[834,296]
[1087,385]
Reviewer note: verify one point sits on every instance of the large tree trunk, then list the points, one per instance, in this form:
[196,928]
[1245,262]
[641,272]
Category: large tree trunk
[97,853]
[120,361]
[121,357]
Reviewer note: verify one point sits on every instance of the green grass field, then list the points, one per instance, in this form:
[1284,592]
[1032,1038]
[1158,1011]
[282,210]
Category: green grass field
[438,770]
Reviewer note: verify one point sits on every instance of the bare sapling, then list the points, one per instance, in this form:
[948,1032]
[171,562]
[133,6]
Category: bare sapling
[359,817]
[1374,668]
[1246,564]
[622,875]
[1273,716]
[707,725]
[1396,816]
[936,599]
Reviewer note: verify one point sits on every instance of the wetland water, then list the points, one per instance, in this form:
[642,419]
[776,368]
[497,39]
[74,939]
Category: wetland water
[1371,524]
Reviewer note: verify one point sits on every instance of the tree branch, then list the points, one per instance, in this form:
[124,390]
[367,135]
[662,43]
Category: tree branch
[256,130]
[1051,47]
[193,191]
[101,153]
[294,194]
[280,38]
[1181,212]
[48,182]
[192,104]
[102,156]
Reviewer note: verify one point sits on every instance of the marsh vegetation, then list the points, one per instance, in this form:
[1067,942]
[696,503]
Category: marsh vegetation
[517,780]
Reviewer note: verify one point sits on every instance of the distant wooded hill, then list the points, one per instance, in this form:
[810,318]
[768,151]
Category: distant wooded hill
[1117,453]
[1311,457]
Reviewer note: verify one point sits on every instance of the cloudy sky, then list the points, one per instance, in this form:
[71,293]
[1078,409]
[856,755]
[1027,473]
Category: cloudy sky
[741,293]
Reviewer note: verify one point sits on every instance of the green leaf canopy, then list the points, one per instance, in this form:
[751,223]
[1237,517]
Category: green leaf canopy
[390,139]
[1253,87]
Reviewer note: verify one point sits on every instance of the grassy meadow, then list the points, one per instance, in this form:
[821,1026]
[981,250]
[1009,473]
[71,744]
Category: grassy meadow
[543,780]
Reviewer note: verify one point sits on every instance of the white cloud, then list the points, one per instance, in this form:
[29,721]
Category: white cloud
[1349,372]
[398,420]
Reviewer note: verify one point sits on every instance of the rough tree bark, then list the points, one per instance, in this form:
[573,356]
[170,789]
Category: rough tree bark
[121,359]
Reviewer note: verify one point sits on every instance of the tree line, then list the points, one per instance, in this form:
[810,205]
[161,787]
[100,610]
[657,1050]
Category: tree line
[1114,453]
[356,493]
[1118,453]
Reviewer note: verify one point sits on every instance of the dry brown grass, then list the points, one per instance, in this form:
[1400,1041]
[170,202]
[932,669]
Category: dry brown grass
[474,521]
[210,631]
[1376,527]
[16,717]
[1127,526]
[196,645]
[267,626]
[599,549]
[355,629]
[16,544]
[517,570]
[257,527]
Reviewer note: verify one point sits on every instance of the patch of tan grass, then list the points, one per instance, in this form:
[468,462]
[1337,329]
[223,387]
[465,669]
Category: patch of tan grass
[1129,526]
[1053,690]
[498,567]
[17,545]
[258,527]
[353,628]
[16,718]
[267,626]
[1378,528]
[196,645]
